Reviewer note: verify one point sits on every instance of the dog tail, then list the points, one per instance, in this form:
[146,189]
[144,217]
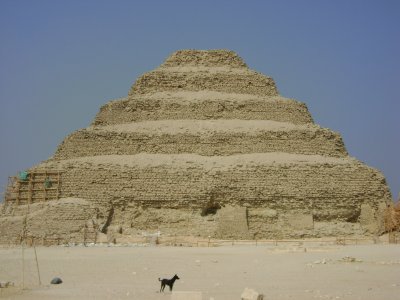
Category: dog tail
[159,279]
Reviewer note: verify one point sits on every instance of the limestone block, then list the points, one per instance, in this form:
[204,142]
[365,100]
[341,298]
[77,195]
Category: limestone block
[380,217]
[299,221]
[102,238]
[55,221]
[232,222]
[250,294]
[367,219]
[12,229]
[111,238]
[263,213]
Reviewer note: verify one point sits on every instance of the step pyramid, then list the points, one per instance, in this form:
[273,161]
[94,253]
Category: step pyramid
[203,146]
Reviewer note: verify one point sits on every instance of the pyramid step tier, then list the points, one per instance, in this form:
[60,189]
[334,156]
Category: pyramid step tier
[205,58]
[272,177]
[194,79]
[210,137]
[220,70]
[202,106]
[326,188]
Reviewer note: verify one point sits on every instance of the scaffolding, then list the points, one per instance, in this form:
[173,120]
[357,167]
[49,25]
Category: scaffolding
[35,186]
[392,222]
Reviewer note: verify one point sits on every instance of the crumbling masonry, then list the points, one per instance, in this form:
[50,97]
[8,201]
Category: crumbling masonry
[201,146]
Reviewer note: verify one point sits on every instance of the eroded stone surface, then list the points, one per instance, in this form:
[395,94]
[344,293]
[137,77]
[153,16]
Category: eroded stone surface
[201,105]
[204,137]
[201,146]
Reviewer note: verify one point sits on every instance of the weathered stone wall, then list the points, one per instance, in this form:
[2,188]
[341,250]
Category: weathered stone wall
[53,222]
[233,223]
[164,80]
[330,191]
[174,107]
[222,71]
[212,138]
[209,58]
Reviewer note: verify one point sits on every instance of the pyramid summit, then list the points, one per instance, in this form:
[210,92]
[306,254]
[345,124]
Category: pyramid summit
[194,70]
[205,58]
[201,146]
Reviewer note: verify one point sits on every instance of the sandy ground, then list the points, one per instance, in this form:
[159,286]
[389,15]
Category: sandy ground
[280,272]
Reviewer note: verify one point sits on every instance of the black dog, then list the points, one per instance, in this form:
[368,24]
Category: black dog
[169,282]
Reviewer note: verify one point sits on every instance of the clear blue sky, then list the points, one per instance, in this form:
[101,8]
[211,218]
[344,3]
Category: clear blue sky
[61,60]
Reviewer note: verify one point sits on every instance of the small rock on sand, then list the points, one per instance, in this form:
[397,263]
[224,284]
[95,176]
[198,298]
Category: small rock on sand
[56,280]
[249,294]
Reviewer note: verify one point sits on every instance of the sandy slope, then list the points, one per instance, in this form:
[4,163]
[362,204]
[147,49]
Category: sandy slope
[220,273]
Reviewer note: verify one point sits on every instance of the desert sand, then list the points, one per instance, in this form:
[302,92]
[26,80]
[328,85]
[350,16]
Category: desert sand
[287,271]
